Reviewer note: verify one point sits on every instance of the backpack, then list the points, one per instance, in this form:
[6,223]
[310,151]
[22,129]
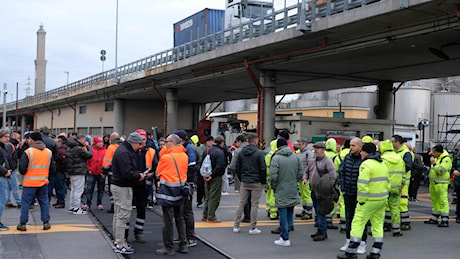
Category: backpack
[206,165]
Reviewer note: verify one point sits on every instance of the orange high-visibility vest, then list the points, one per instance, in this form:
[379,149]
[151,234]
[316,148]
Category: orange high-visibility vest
[107,161]
[149,158]
[38,168]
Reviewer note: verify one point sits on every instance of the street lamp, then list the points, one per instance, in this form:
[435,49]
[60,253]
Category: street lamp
[67,77]
[116,45]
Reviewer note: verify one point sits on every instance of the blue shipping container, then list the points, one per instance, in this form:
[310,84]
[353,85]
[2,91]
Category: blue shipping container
[199,25]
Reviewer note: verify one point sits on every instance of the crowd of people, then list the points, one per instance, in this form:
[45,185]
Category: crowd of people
[366,182]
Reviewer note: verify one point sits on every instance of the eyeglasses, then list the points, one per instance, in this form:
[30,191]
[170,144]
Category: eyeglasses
[167,141]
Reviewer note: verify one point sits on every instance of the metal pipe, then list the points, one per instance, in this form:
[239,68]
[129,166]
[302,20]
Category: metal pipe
[260,101]
[74,114]
[16,112]
[165,108]
[4,105]
[52,117]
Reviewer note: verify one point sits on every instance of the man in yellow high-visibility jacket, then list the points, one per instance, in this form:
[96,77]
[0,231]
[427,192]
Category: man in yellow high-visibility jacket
[35,164]
[439,175]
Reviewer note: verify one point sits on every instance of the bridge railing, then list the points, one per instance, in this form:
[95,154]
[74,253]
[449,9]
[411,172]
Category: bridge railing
[277,21]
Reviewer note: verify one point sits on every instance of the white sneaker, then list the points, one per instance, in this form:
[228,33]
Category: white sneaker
[254,231]
[361,248]
[344,247]
[236,229]
[80,212]
[225,193]
[282,242]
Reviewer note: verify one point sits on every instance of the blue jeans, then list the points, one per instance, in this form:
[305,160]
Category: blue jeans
[3,194]
[60,187]
[91,181]
[321,219]
[28,197]
[13,186]
[286,216]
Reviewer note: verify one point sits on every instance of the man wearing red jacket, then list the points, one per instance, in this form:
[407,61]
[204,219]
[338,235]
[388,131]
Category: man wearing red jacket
[95,175]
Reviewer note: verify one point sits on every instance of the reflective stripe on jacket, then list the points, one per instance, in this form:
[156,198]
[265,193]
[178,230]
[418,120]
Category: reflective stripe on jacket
[38,168]
[440,172]
[396,169]
[373,182]
[168,173]
[107,161]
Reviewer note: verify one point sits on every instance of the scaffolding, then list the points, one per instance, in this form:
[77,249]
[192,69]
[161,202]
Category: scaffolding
[448,130]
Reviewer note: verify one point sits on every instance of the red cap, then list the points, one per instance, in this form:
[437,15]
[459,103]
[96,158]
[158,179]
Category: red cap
[141,132]
[97,139]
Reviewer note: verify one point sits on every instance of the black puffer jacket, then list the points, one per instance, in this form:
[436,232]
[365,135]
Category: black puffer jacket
[76,157]
[349,172]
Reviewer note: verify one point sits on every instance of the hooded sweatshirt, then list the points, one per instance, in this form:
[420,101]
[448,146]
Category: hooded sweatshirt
[24,161]
[250,165]
[394,163]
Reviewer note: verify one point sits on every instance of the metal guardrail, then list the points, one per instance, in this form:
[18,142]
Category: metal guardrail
[277,21]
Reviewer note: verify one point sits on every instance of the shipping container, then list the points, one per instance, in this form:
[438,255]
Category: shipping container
[199,25]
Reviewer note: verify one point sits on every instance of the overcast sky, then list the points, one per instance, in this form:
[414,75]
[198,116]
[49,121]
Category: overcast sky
[76,32]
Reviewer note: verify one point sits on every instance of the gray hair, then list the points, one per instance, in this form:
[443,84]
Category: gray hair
[4,131]
[175,139]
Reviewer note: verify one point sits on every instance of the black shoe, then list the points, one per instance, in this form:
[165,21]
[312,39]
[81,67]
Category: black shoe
[332,226]
[320,237]
[397,234]
[46,225]
[457,220]
[405,227]
[276,231]
[373,256]
[431,221]
[183,249]
[292,228]
[314,235]
[347,256]
[110,210]
[443,224]
[386,228]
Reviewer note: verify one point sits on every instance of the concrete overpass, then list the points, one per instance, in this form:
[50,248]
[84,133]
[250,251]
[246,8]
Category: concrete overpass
[343,43]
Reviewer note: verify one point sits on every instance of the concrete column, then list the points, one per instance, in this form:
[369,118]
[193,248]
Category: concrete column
[118,119]
[385,99]
[10,122]
[268,80]
[171,116]
[23,124]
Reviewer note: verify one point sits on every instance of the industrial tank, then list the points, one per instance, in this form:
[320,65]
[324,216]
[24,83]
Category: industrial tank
[445,118]
[412,104]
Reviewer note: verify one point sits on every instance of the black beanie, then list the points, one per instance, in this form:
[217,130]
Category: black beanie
[36,136]
[281,142]
[369,148]
[284,134]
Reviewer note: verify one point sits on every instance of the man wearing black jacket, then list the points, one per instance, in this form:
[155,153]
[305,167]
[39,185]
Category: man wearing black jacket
[213,183]
[50,144]
[125,176]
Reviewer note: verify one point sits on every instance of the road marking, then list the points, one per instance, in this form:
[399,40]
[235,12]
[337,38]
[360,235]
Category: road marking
[34,229]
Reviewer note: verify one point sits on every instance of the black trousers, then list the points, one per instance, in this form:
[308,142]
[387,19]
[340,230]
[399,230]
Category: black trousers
[189,218]
[140,201]
[350,206]
[415,180]
[199,188]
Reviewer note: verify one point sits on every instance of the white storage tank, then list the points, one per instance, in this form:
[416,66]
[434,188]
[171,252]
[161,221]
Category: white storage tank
[361,98]
[412,104]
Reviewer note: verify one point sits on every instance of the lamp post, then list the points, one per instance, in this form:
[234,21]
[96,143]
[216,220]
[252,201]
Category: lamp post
[5,92]
[116,45]
[66,72]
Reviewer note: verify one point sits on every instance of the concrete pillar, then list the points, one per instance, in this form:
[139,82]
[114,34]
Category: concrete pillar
[385,99]
[23,124]
[10,122]
[268,80]
[118,119]
[171,116]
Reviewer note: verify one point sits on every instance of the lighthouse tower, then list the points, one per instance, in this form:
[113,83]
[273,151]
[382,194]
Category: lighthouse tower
[40,62]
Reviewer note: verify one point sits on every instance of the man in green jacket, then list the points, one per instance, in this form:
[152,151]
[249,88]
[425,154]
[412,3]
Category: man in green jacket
[285,171]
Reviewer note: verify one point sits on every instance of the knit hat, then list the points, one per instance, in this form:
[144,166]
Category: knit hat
[182,134]
[281,142]
[88,138]
[141,132]
[135,138]
[438,148]
[284,134]
[369,148]
[63,134]
[36,136]
[97,140]
[195,139]
[27,134]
